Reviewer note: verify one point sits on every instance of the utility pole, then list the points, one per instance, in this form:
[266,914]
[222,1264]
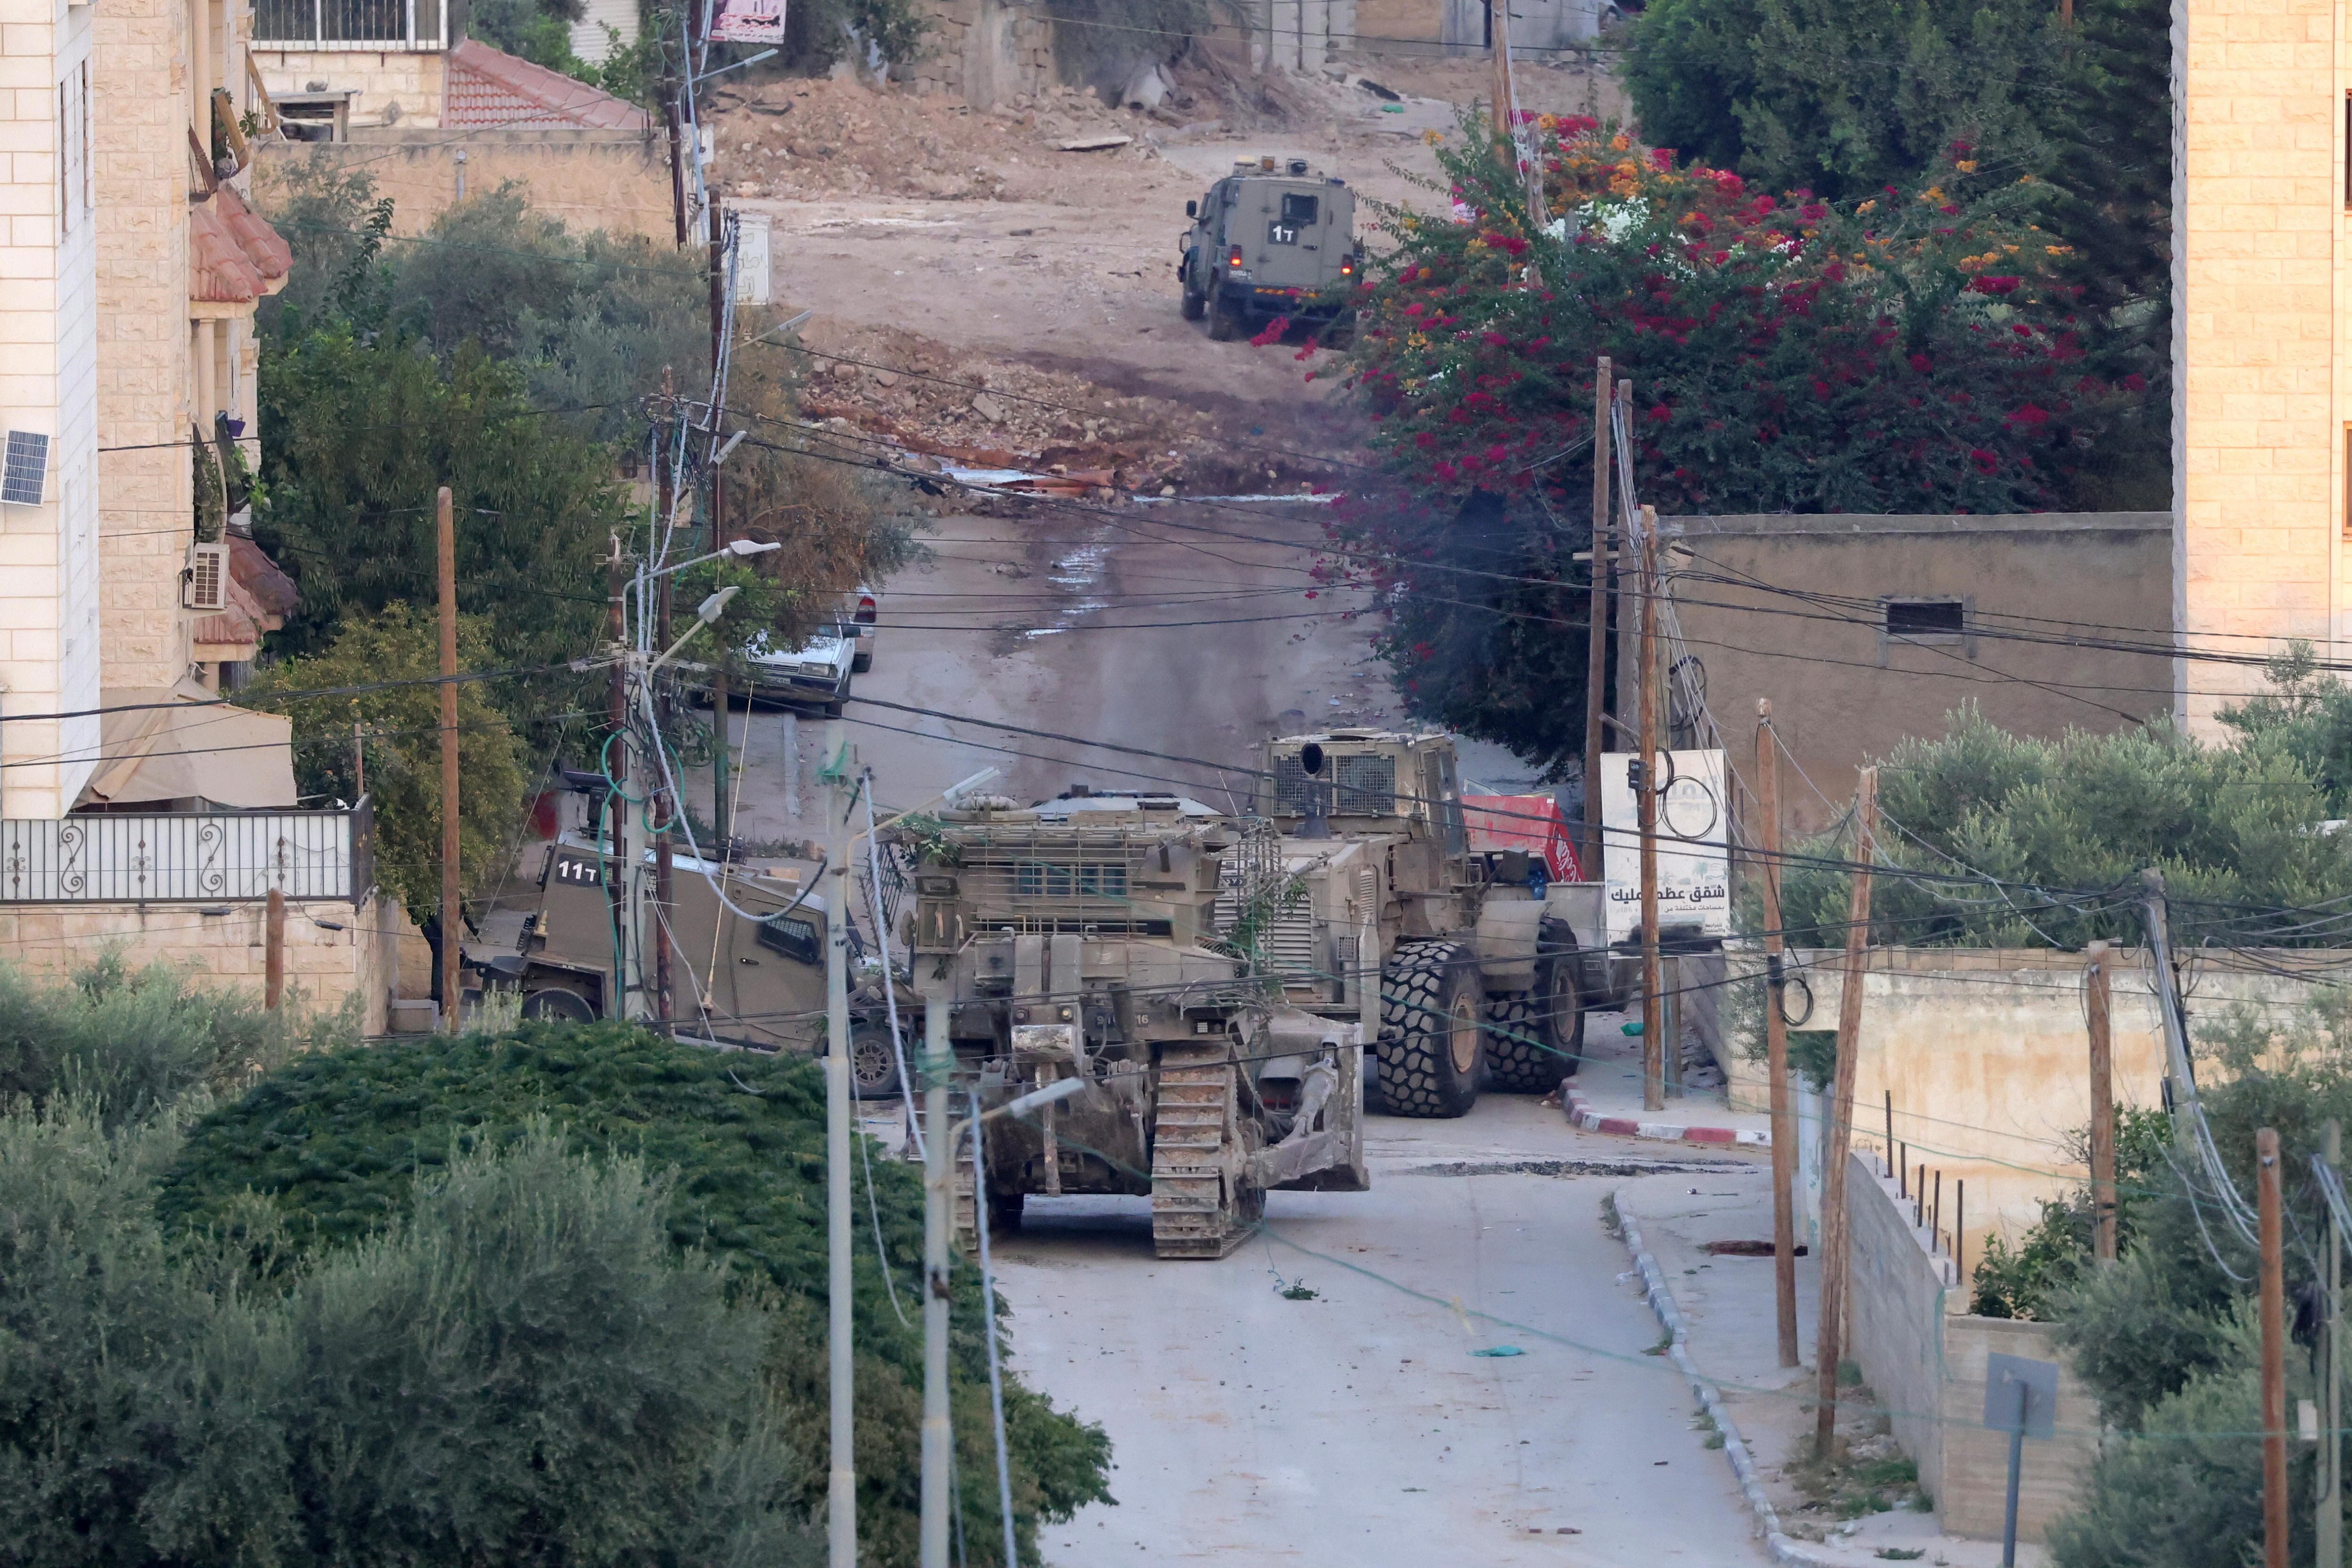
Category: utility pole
[721,701]
[1628,622]
[1498,26]
[2273,1315]
[661,819]
[2102,1108]
[1646,802]
[939,1219]
[273,950]
[2327,1493]
[1838,1141]
[840,1491]
[1776,1043]
[617,891]
[453,918]
[1596,643]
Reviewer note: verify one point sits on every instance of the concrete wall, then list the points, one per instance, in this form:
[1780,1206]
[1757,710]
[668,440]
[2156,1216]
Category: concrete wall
[1843,693]
[2259,279]
[616,180]
[222,945]
[1986,1056]
[396,87]
[48,387]
[1926,1366]
[984,52]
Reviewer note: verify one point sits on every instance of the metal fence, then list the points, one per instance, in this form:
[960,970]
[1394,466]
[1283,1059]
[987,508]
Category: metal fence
[188,857]
[394,25]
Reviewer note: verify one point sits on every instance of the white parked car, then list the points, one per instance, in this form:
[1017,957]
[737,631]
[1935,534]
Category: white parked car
[863,619]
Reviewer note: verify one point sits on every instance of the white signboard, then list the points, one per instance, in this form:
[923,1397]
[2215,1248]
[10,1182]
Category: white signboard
[1694,836]
[749,22]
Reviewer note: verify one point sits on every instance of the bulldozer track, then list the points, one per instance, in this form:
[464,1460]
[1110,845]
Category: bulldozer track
[1197,1206]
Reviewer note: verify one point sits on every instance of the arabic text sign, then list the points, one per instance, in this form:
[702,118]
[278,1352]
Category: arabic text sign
[1694,859]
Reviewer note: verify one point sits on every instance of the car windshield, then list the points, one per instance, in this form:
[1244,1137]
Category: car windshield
[823,643]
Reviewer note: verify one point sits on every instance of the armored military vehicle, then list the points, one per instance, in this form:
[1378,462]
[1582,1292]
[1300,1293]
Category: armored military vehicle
[1485,965]
[1271,238]
[1081,937]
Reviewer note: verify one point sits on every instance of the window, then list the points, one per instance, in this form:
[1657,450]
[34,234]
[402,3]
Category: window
[792,936]
[1925,617]
[1298,211]
[1043,879]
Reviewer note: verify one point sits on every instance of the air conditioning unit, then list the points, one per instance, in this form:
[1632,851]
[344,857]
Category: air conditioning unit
[205,582]
[26,468]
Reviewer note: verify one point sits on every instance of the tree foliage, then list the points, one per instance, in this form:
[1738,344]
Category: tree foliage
[1914,351]
[334,1145]
[2235,828]
[400,735]
[520,1369]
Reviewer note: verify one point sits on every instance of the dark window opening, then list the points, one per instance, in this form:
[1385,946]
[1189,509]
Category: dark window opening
[1298,211]
[1925,617]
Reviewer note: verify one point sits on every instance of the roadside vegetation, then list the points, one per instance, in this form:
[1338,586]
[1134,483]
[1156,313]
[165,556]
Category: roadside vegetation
[273,1296]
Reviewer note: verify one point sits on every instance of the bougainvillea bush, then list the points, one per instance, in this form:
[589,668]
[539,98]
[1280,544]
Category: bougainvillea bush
[1912,351]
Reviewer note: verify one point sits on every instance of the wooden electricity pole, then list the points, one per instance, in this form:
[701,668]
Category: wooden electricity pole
[616,888]
[2327,1487]
[1838,1139]
[1776,1041]
[273,950]
[2273,1314]
[2102,1108]
[1596,643]
[1646,802]
[453,918]
[1498,23]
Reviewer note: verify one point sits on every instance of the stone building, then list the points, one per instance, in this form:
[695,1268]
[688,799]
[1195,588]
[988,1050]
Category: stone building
[2262,416]
[135,808]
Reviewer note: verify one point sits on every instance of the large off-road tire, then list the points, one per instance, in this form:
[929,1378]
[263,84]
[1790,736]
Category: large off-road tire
[1225,325]
[1195,306]
[872,1065]
[1432,1040]
[1535,1038]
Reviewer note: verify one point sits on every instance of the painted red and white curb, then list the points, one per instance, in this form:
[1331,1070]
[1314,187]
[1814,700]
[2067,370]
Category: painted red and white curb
[1582,1114]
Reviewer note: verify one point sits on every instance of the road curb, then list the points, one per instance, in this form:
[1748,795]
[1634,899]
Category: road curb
[1582,1114]
[1778,1545]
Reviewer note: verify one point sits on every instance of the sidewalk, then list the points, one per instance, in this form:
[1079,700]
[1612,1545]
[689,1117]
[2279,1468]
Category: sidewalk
[1605,1095]
[1726,1309]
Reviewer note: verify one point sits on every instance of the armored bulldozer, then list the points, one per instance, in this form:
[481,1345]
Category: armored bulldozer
[1081,938]
[1485,964]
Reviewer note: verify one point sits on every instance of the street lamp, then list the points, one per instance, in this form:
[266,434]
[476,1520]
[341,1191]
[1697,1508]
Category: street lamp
[706,613]
[738,550]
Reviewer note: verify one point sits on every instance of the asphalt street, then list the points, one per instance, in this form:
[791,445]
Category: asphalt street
[1357,1428]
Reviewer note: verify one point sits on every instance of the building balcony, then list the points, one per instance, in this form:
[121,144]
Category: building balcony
[189,858]
[374,27]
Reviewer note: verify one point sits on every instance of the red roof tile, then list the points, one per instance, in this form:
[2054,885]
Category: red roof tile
[488,87]
[234,256]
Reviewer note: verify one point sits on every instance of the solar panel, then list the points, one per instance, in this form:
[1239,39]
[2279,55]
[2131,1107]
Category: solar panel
[27,465]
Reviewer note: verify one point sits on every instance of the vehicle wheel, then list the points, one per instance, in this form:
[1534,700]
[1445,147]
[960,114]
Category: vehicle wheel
[860,662]
[1558,962]
[1519,1060]
[872,1065]
[1196,307]
[833,708]
[1004,1212]
[560,1004]
[1225,325]
[1431,1037]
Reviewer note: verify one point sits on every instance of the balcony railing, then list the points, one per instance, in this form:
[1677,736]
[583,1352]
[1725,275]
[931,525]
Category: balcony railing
[375,25]
[189,857]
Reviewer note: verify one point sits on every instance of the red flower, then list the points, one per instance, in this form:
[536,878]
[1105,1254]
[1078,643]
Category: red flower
[1995,285]
[1662,159]
[1496,340]
[1272,333]
[1949,209]
[1920,363]
[1985,461]
[2135,381]
[2028,417]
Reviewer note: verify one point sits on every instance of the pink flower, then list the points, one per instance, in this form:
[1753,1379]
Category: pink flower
[1995,285]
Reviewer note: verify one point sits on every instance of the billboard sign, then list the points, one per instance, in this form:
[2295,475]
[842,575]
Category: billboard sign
[1693,844]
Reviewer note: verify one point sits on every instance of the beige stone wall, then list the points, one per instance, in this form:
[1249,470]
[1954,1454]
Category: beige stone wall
[333,951]
[2260,277]
[48,643]
[1927,1365]
[985,52]
[396,87]
[1988,1059]
[614,180]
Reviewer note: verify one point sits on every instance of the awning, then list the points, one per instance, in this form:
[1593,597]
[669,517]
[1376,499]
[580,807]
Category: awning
[168,744]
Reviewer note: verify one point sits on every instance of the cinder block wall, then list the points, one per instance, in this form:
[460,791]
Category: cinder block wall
[616,180]
[1927,1368]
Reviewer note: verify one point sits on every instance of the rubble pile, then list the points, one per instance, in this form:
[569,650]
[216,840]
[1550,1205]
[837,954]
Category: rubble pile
[983,413]
[811,138]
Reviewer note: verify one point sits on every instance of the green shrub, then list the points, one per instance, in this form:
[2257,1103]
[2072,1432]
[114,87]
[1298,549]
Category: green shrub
[332,1146]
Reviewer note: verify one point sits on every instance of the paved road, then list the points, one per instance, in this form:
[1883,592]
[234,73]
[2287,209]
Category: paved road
[1176,630]
[1356,1430]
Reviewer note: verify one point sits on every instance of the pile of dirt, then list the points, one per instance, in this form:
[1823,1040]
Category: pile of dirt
[816,138]
[928,398]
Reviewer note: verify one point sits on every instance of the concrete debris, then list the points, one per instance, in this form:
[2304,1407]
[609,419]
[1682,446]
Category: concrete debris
[1095,144]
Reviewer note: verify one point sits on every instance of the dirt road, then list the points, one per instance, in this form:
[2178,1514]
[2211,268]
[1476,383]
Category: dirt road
[1358,1429]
